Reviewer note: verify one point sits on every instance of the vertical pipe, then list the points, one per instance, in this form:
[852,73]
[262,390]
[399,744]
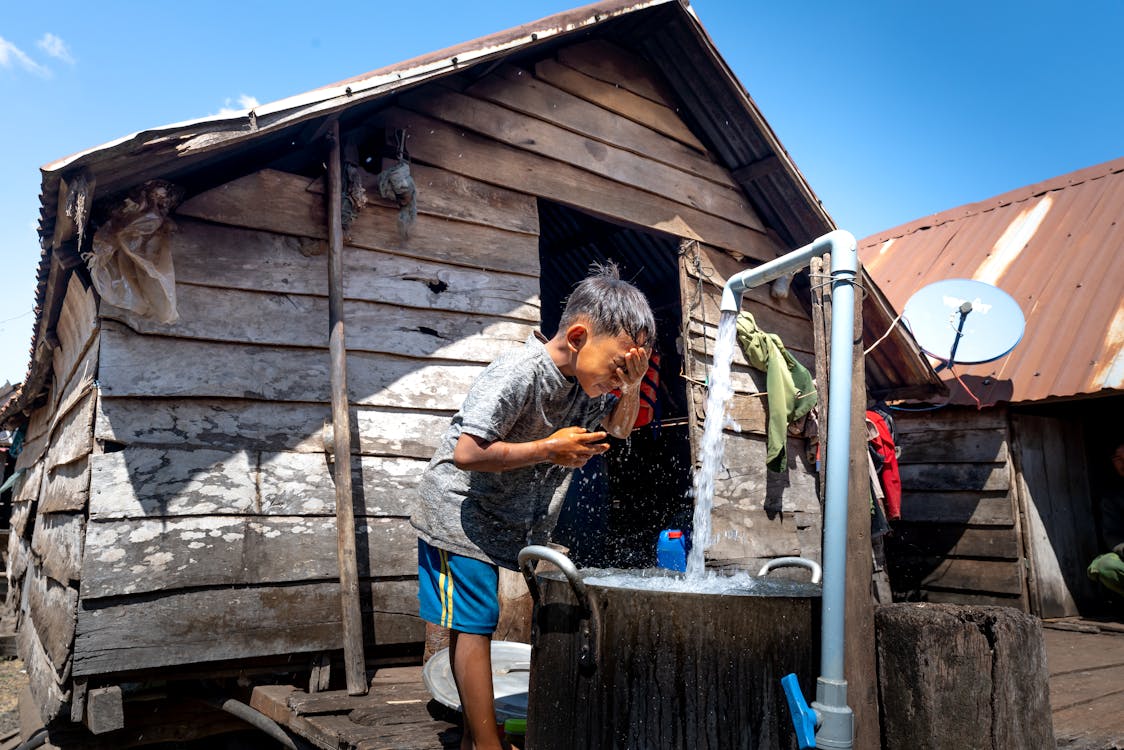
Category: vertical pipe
[837,728]
[838,456]
[354,658]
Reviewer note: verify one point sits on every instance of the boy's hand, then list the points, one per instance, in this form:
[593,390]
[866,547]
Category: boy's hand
[635,365]
[573,446]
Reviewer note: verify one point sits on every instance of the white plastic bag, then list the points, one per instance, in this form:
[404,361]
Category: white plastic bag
[131,260]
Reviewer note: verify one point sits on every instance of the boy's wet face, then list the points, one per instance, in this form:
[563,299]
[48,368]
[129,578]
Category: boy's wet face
[598,360]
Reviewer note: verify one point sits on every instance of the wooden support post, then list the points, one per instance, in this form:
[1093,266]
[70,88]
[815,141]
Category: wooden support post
[78,701]
[320,677]
[821,326]
[353,657]
[859,659]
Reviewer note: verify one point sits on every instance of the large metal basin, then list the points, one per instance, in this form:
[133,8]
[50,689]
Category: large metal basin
[635,668]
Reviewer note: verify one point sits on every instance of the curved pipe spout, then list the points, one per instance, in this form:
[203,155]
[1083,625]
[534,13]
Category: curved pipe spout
[839,243]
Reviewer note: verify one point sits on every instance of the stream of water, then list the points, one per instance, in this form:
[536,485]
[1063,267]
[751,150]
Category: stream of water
[719,390]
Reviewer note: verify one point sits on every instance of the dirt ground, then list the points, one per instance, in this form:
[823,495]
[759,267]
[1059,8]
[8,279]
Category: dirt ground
[1086,663]
[12,681]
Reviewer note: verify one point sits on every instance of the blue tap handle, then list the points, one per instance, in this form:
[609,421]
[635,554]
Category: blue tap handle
[803,716]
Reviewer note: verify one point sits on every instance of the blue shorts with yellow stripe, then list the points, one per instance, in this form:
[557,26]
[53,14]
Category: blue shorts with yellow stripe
[457,592]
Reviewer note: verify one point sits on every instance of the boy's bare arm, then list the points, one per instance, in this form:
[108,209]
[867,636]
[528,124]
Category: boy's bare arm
[619,423]
[570,446]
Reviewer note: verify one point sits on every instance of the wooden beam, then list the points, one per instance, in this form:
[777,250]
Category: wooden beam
[156,366]
[954,540]
[604,61]
[656,116]
[197,626]
[988,576]
[216,551]
[222,256]
[757,169]
[521,91]
[969,507]
[76,197]
[860,667]
[452,196]
[821,323]
[354,660]
[989,477]
[295,208]
[548,140]
[237,316]
[242,424]
[320,674]
[954,446]
[464,152]
[78,701]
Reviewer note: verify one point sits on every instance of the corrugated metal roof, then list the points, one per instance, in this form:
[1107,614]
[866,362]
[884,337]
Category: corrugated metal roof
[666,32]
[1057,247]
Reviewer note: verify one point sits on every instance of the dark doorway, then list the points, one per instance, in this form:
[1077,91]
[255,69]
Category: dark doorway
[617,506]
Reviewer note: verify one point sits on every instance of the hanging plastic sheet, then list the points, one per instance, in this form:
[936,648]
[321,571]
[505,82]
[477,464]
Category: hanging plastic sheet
[131,260]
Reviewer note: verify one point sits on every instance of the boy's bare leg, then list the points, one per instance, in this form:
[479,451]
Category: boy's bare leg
[471,658]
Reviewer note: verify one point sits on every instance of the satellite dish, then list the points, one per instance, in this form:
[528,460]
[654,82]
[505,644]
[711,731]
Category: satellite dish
[963,321]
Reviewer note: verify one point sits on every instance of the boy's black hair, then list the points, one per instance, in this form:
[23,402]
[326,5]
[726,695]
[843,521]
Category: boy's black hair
[611,305]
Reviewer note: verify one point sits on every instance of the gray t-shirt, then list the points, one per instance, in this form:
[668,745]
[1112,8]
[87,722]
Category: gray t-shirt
[490,516]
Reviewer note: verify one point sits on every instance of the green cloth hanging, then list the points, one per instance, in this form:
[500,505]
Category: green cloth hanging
[790,389]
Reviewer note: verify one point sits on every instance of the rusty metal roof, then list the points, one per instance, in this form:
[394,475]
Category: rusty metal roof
[666,32]
[1057,247]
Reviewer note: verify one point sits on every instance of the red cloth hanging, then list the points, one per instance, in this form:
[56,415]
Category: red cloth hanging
[889,474]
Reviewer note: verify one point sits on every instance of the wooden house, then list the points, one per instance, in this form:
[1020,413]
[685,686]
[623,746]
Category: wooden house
[1001,485]
[176,514]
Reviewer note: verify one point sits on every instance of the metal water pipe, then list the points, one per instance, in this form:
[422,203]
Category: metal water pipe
[832,717]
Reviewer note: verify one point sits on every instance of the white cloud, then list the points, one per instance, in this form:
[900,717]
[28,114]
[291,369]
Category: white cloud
[55,47]
[12,56]
[245,102]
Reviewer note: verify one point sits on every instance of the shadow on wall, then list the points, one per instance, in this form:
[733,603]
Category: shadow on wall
[988,390]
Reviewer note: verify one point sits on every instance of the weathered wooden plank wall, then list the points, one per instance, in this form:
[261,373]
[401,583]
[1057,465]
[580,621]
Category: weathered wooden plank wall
[221,479]
[959,539]
[48,515]
[559,132]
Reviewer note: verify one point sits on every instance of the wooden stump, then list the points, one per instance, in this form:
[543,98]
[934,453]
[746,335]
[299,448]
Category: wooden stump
[516,608]
[962,676]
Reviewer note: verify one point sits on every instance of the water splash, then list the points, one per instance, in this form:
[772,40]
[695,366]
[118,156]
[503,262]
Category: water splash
[739,583]
[720,390]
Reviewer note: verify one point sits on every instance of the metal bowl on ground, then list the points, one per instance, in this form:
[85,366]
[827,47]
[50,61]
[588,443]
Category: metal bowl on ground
[511,662]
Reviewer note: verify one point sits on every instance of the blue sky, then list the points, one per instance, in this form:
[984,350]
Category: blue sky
[892,110]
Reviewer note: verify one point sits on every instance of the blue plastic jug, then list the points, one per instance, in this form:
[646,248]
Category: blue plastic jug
[671,550]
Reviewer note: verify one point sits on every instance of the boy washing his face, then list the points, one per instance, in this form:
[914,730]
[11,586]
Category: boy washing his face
[498,478]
